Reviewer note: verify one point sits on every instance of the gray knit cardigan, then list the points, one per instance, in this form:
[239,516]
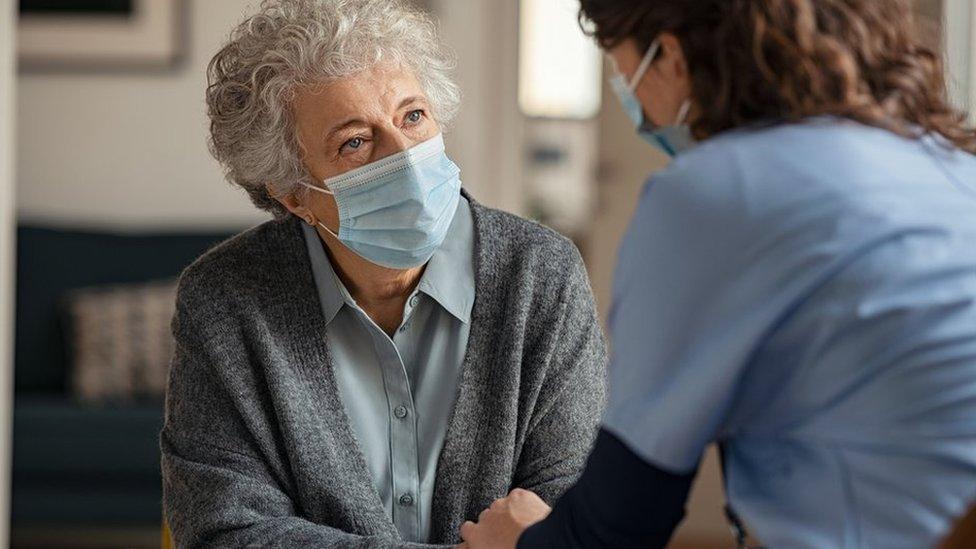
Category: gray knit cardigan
[257,450]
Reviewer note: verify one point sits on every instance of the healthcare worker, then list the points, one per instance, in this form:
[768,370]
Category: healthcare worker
[799,285]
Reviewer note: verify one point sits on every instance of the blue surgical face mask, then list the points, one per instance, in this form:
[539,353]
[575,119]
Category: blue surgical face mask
[671,139]
[395,212]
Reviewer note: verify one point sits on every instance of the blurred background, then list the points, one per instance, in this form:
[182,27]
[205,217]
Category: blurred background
[107,185]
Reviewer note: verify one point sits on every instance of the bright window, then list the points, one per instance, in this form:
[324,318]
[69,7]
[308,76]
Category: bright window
[559,66]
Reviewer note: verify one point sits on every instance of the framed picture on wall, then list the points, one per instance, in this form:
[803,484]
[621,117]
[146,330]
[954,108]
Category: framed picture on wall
[99,34]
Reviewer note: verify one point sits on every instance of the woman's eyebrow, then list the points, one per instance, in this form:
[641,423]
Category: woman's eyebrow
[350,122]
[412,99]
[344,125]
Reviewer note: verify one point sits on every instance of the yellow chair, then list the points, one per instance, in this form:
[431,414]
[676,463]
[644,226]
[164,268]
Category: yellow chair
[167,539]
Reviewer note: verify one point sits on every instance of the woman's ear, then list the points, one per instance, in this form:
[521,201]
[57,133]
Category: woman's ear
[292,204]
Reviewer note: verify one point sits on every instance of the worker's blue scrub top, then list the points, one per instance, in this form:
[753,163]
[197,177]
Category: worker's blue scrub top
[806,294]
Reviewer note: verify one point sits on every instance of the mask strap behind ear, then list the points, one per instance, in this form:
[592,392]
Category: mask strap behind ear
[325,191]
[644,64]
[319,189]
[328,230]
[683,112]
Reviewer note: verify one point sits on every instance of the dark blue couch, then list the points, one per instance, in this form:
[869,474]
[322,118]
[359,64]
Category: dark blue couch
[76,463]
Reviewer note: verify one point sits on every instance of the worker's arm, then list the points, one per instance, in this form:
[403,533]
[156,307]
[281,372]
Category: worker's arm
[620,501]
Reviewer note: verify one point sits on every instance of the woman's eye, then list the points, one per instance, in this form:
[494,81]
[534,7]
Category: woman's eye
[353,143]
[415,116]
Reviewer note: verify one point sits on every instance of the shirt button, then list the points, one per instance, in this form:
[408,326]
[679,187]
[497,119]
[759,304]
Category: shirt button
[406,500]
[400,412]
[414,300]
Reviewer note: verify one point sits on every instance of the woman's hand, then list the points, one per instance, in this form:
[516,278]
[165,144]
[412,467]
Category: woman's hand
[500,526]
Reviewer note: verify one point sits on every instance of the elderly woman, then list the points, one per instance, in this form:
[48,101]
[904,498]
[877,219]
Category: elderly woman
[386,357]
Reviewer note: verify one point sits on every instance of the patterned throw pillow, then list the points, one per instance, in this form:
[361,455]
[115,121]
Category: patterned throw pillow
[120,340]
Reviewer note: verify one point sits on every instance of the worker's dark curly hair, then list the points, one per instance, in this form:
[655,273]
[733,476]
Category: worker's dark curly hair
[752,61]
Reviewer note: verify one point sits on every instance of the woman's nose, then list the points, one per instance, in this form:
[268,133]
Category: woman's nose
[391,141]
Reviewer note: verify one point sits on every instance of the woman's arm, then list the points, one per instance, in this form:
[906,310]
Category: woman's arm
[570,402]
[217,489]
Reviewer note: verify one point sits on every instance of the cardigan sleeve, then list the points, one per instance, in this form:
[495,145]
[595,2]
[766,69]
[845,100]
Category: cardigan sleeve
[570,402]
[217,489]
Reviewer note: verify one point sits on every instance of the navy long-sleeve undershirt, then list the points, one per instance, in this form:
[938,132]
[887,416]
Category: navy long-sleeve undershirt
[620,501]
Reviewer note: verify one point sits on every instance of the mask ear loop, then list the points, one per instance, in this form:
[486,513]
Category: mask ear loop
[642,68]
[311,218]
[683,112]
[319,189]
[644,64]
[326,229]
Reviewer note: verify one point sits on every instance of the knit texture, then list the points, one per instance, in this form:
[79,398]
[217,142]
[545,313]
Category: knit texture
[257,450]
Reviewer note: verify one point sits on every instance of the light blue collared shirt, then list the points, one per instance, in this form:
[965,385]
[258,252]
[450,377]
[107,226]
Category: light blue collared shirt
[806,295]
[399,393]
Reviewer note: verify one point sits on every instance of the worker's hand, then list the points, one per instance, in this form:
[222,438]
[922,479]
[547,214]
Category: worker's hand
[500,526]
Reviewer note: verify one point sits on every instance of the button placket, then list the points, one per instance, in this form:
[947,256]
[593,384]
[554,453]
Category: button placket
[408,311]
[403,441]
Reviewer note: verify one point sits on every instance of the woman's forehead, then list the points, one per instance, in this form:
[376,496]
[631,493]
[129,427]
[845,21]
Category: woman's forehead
[381,88]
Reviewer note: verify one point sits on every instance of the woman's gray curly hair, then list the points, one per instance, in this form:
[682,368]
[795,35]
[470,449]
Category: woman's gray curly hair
[291,43]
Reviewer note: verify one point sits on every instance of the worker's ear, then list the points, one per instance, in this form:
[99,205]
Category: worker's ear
[671,60]
[674,87]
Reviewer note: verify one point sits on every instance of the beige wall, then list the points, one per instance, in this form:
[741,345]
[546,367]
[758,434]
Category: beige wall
[6,256]
[929,8]
[487,138]
[129,149]
[960,43]
[929,14]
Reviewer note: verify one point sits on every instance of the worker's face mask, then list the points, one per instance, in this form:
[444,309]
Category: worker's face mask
[671,139]
[395,212]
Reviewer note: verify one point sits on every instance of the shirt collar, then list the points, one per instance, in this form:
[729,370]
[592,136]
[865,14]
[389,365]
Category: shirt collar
[332,294]
[448,278]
